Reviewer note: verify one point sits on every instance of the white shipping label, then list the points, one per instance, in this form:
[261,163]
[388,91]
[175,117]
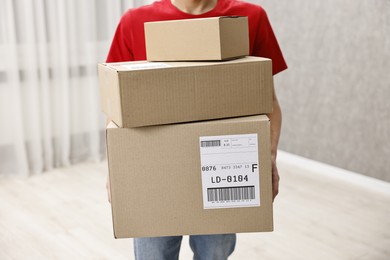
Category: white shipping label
[145,66]
[230,171]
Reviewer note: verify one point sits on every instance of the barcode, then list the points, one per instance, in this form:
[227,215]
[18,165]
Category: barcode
[231,193]
[211,143]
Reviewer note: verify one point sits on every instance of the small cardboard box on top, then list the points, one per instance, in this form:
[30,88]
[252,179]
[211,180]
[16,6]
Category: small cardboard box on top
[145,93]
[209,177]
[215,38]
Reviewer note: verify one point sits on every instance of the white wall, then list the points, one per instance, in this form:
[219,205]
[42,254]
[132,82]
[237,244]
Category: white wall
[335,94]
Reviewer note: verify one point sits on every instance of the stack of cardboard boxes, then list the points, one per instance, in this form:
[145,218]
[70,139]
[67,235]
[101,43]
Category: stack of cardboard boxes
[188,146]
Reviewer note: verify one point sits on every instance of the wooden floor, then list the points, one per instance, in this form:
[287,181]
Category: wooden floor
[64,214]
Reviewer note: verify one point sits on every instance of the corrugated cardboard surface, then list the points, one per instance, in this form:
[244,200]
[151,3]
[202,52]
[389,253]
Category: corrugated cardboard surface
[155,177]
[185,91]
[110,93]
[215,38]
[234,37]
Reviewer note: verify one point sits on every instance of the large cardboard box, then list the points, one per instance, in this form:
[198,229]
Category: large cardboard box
[208,177]
[147,93]
[216,38]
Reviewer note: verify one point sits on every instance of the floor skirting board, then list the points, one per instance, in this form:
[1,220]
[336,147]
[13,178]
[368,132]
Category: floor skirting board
[315,167]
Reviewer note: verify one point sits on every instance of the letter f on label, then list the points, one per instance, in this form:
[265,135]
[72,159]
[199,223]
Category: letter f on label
[254,166]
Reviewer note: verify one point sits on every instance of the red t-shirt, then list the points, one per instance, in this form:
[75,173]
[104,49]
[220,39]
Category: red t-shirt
[129,40]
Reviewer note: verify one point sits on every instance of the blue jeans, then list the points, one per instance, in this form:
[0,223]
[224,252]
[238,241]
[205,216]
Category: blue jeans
[205,247]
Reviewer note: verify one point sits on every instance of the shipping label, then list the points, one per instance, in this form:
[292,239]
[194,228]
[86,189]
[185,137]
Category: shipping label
[230,171]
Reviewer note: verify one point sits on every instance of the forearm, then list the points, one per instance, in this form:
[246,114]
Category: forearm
[276,124]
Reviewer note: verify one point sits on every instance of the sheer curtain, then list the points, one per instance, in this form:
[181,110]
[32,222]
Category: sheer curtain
[49,98]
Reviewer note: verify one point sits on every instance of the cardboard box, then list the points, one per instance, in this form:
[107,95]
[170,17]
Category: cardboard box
[216,38]
[158,173]
[148,93]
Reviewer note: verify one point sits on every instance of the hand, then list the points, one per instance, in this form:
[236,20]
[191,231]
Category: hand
[275,180]
[108,189]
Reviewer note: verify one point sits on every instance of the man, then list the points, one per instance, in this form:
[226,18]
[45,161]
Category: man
[129,44]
